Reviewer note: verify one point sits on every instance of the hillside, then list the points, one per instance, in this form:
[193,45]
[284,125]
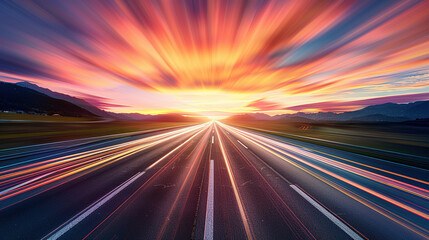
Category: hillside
[76,101]
[16,98]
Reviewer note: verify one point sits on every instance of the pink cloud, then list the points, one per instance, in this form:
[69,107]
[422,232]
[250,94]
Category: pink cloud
[100,102]
[263,105]
[338,106]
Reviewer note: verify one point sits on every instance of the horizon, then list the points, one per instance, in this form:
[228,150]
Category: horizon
[226,116]
[341,57]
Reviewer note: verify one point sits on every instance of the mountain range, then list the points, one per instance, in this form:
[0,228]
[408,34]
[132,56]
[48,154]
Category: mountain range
[16,98]
[30,98]
[388,112]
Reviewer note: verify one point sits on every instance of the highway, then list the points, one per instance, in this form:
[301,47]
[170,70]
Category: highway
[207,181]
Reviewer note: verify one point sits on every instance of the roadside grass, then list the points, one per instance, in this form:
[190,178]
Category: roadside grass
[34,117]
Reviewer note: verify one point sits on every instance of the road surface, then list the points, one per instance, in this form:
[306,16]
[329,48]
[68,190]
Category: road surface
[208,181]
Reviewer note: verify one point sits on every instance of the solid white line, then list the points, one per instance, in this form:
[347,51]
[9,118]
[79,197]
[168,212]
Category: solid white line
[208,229]
[212,139]
[329,215]
[86,212]
[242,144]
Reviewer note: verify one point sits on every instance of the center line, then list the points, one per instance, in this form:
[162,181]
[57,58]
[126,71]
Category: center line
[208,229]
[212,139]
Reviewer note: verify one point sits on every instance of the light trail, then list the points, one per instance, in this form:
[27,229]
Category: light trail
[154,176]
[364,173]
[68,225]
[271,191]
[81,141]
[187,182]
[235,188]
[341,158]
[278,149]
[17,180]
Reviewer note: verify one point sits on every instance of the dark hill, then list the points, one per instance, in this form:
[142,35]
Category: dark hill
[74,100]
[17,98]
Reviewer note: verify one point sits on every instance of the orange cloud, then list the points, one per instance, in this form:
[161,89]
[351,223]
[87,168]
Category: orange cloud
[263,105]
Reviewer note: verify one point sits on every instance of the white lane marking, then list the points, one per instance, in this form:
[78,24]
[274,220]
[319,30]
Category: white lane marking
[212,139]
[242,144]
[90,209]
[208,229]
[329,215]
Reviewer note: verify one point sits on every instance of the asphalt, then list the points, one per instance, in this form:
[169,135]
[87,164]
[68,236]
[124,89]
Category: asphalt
[209,181]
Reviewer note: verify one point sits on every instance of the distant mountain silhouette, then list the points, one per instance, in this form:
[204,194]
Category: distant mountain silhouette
[388,112]
[410,111]
[261,116]
[16,98]
[77,101]
[36,105]
[86,105]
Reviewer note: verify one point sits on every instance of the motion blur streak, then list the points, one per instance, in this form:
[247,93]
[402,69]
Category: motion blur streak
[376,177]
[162,184]
[22,179]
[234,186]
[188,181]
[317,162]
[121,208]
[79,217]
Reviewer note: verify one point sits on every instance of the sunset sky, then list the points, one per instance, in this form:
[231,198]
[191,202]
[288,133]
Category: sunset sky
[215,58]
